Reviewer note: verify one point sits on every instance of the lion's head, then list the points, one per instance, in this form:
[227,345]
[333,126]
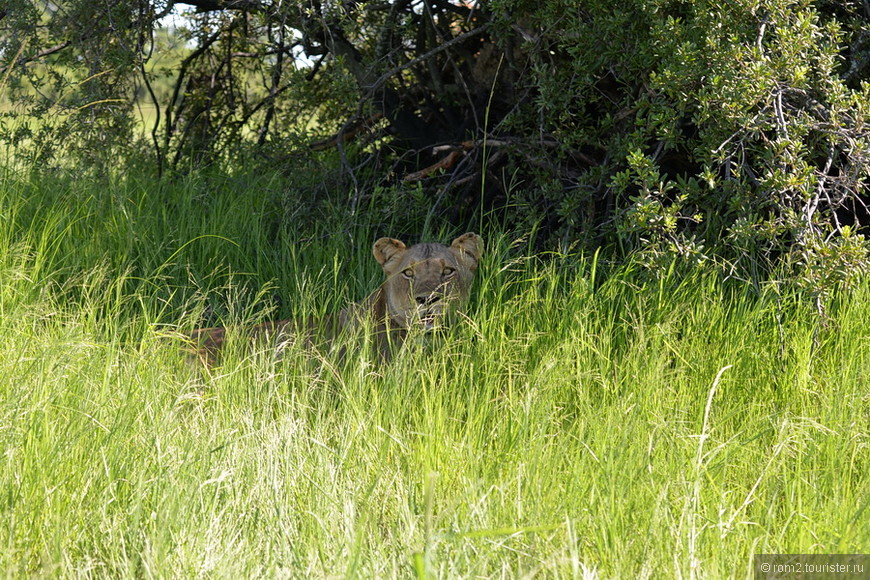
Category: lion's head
[426,282]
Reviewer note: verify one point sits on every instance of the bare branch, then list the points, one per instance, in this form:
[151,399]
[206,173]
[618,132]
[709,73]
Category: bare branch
[41,54]
[423,57]
[218,5]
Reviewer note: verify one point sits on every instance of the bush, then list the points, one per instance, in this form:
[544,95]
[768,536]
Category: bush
[732,134]
[731,130]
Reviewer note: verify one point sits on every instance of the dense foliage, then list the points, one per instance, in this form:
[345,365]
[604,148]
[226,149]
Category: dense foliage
[731,133]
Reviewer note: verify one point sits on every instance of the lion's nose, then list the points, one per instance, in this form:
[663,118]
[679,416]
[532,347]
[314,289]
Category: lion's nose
[428,299]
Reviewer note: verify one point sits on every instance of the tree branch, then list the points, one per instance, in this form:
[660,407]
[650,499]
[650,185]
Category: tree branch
[217,5]
[437,50]
[37,56]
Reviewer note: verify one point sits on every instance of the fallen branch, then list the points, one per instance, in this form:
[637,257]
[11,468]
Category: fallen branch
[445,163]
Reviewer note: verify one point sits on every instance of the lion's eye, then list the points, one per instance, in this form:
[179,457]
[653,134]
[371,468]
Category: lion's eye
[409,273]
[447,272]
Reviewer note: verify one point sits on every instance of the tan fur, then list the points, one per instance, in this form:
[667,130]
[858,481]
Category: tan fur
[426,286]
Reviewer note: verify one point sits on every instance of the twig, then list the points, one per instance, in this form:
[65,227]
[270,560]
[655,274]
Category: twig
[437,50]
[780,115]
[348,131]
[154,129]
[276,82]
[37,56]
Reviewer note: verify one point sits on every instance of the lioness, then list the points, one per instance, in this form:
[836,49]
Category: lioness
[426,285]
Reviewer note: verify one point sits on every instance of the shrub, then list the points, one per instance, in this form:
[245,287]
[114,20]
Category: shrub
[727,133]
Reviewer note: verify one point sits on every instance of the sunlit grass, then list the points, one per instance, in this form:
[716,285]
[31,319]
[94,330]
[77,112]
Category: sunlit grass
[588,420]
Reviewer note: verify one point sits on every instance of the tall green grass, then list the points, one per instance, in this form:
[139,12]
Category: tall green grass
[589,420]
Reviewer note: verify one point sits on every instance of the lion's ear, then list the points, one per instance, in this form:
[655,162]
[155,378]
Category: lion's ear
[469,247]
[387,250]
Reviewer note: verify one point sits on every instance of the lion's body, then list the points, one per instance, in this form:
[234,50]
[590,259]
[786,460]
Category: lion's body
[426,286]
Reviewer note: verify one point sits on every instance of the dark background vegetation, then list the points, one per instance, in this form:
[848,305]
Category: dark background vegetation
[731,134]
